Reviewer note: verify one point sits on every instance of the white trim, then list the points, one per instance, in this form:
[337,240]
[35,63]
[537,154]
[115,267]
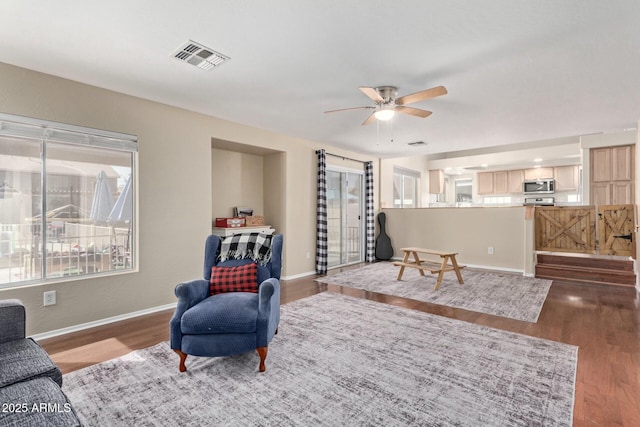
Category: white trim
[486,267]
[101,322]
[335,168]
[66,279]
[491,267]
[298,276]
[21,126]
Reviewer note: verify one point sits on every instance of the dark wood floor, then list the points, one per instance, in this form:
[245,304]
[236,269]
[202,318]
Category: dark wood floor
[603,321]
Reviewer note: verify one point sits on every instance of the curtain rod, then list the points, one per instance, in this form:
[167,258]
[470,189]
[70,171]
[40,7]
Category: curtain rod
[346,158]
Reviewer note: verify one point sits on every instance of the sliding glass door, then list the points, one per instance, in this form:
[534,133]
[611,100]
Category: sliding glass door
[345,226]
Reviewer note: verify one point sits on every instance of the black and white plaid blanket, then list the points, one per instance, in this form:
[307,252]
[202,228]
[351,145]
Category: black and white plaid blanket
[256,246]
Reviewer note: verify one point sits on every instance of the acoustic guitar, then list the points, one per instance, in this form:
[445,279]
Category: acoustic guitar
[384,250]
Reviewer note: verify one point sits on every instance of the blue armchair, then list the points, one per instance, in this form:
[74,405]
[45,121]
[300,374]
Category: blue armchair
[231,323]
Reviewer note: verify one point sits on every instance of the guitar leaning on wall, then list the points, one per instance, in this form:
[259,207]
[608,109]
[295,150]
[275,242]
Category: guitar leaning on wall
[384,251]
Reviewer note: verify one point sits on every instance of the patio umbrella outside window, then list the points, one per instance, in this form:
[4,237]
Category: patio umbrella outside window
[123,208]
[122,213]
[102,199]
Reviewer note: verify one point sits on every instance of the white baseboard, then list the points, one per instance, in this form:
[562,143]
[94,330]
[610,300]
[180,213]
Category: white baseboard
[486,267]
[101,322]
[490,267]
[298,276]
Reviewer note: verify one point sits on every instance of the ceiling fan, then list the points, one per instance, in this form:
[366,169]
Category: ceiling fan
[387,104]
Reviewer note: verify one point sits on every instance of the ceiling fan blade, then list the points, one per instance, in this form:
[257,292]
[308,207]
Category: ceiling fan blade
[371,93]
[413,111]
[370,119]
[422,95]
[349,109]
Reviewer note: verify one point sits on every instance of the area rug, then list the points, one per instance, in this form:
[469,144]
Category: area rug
[342,361]
[500,294]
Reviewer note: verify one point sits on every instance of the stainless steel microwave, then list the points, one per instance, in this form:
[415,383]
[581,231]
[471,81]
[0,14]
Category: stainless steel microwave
[539,186]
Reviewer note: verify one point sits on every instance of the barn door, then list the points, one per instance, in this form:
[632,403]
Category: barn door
[565,229]
[616,231]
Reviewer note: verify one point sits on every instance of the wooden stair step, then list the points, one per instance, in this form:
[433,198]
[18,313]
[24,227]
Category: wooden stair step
[585,274]
[587,270]
[587,262]
[585,281]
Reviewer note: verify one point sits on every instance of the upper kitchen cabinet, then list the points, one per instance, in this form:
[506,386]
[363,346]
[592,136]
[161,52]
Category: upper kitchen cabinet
[515,178]
[536,173]
[485,183]
[493,182]
[501,182]
[567,177]
[436,181]
[612,175]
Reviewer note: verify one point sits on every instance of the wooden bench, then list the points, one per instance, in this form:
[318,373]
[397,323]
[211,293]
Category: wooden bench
[418,263]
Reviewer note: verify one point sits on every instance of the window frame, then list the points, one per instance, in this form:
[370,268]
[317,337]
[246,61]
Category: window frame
[48,132]
[416,196]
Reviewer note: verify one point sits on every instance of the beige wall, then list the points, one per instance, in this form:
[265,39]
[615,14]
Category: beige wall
[273,188]
[175,194]
[469,232]
[236,180]
[414,164]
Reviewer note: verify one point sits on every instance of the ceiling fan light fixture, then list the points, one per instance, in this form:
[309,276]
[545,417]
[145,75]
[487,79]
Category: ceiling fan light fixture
[385,113]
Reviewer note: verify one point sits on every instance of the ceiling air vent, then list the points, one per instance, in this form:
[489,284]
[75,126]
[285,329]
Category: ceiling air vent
[200,56]
[417,143]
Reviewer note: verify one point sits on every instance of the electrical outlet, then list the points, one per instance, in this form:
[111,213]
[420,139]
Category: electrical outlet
[49,298]
[490,250]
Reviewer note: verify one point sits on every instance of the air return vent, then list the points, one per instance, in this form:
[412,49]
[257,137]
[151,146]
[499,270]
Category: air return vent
[417,143]
[199,55]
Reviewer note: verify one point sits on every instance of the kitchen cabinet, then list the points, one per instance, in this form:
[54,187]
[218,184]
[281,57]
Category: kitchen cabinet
[567,178]
[612,175]
[515,178]
[536,173]
[622,163]
[600,165]
[510,181]
[436,181]
[485,182]
[500,182]
[495,182]
[616,193]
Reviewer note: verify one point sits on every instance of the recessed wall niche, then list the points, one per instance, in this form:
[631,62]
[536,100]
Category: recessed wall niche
[247,175]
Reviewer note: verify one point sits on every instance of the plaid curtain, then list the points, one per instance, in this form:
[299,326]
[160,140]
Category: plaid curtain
[368,206]
[321,213]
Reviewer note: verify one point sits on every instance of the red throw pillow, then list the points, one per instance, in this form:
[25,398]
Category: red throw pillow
[243,278]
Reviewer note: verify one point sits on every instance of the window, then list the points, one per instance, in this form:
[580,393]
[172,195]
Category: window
[464,193]
[66,201]
[497,200]
[442,197]
[405,188]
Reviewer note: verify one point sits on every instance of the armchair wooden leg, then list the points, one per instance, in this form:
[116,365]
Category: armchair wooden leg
[183,357]
[262,352]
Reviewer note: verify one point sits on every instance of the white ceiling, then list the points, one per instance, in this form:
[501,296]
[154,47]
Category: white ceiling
[515,70]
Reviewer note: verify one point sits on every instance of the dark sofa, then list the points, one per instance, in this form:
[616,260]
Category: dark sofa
[30,383]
